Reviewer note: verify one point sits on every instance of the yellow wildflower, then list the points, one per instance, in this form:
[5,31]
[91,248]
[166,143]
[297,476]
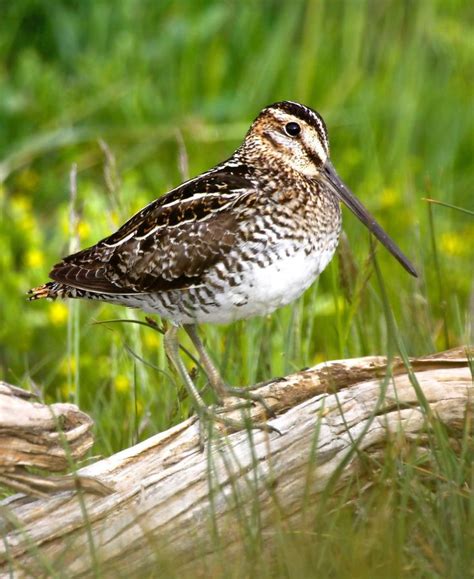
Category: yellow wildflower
[452,243]
[21,204]
[83,229]
[58,313]
[122,383]
[389,197]
[151,340]
[34,258]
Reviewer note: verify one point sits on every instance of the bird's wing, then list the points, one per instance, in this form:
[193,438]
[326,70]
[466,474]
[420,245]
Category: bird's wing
[168,244]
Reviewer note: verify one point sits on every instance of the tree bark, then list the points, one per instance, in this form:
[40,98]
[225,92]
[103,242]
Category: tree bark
[168,496]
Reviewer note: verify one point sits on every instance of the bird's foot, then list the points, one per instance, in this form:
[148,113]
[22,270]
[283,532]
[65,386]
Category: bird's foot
[247,394]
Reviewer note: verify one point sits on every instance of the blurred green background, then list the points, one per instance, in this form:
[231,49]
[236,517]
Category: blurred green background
[138,95]
[167,89]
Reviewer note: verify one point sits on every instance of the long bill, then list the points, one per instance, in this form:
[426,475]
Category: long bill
[348,198]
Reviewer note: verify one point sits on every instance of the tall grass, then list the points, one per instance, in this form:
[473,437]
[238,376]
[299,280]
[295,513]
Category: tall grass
[168,85]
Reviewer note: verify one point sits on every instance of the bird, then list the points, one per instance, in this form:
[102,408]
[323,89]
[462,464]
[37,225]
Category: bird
[240,240]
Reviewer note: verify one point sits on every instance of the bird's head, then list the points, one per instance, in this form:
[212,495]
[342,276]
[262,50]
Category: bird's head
[289,135]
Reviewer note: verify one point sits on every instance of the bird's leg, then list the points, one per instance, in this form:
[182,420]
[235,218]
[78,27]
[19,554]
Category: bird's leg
[172,350]
[213,374]
[221,389]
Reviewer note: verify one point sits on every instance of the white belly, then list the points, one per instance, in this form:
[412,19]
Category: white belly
[265,289]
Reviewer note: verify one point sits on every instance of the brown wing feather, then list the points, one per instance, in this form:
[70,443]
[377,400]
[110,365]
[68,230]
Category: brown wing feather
[163,246]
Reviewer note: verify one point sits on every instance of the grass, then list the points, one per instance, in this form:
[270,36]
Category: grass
[139,95]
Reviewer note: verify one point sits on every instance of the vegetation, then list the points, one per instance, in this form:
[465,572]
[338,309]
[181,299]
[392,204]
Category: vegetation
[138,95]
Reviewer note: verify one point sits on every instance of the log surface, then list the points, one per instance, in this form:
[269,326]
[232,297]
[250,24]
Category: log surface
[35,435]
[166,492]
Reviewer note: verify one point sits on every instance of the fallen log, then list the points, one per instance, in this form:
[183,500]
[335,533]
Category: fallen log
[167,496]
[35,435]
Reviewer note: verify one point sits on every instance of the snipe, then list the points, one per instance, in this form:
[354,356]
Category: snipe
[240,240]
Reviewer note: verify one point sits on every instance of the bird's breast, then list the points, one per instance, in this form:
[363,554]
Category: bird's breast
[267,280]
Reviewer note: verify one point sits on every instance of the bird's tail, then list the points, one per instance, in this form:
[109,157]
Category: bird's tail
[51,290]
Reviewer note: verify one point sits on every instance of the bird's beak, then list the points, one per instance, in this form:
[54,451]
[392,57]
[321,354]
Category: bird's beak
[332,179]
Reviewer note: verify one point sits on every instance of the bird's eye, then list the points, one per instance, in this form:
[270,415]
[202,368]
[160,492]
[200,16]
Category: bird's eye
[292,129]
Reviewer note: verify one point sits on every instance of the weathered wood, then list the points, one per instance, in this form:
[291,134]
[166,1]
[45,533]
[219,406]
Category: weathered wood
[167,492]
[35,435]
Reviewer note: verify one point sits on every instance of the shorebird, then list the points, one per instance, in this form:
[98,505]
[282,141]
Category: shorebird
[240,240]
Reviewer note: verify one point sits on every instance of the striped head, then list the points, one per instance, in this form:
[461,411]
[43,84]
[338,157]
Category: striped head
[289,134]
